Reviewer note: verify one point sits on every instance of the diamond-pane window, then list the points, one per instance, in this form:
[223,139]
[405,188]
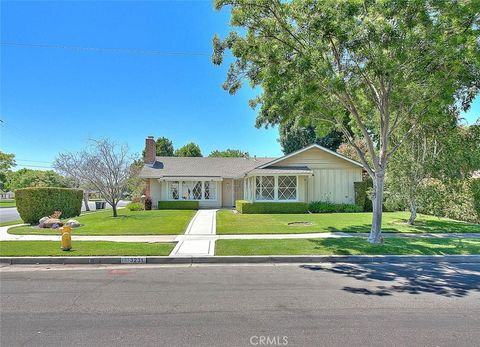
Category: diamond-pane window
[287,188]
[210,190]
[173,193]
[265,188]
[197,191]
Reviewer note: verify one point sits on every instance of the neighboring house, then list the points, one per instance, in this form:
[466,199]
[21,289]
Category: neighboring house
[7,195]
[313,173]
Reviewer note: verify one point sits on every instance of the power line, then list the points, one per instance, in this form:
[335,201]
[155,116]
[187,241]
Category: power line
[33,161]
[107,49]
[38,166]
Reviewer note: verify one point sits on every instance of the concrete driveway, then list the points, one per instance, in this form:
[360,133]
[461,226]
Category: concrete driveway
[8,214]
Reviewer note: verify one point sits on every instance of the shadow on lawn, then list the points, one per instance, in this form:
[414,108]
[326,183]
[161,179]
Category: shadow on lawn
[421,226]
[449,280]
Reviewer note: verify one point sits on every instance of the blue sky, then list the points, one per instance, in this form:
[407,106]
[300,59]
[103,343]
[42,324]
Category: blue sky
[54,100]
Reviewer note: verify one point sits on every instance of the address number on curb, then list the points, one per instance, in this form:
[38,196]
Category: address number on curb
[133,260]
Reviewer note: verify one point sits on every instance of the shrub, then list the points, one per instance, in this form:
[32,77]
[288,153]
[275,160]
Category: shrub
[239,205]
[135,206]
[148,204]
[178,205]
[362,194]
[454,200]
[247,207]
[328,207]
[35,203]
[475,190]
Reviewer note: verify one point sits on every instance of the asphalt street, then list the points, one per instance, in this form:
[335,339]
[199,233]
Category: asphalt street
[8,214]
[275,305]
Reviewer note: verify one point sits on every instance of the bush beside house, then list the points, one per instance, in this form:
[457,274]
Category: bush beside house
[248,207]
[178,205]
[35,203]
[328,207]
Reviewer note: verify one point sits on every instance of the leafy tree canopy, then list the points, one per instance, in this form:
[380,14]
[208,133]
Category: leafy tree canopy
[164,147]
[388,64]
[24,178]
[229,153]
[7,161]
[295,135]
[189,150]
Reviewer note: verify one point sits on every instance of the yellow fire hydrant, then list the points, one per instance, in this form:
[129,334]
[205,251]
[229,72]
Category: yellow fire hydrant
[66,232]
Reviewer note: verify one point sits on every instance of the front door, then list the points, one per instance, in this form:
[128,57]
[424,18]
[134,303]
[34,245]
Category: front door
[227,192]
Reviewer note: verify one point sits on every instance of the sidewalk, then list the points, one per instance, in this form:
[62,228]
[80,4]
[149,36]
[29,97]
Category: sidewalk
[199,239]
[201,235]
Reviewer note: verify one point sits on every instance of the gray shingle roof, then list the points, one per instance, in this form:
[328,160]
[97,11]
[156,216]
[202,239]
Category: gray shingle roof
[278,170]
[201,167]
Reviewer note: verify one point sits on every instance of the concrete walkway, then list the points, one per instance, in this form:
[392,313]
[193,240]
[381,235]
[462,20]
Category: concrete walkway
[199,239]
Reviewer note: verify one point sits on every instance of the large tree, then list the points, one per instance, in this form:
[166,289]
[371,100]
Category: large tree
[104,166]
[24,178]
[295,135]
[7,162]
[189,150]
[164,147]
[229,153]
[387,64]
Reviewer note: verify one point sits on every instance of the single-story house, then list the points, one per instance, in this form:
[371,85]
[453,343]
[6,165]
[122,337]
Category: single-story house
[313,173]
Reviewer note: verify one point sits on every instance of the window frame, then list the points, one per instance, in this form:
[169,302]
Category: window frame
[275,189]
[180,183]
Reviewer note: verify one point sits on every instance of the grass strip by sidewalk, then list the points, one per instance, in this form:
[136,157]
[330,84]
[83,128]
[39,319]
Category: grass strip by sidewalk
[154,222]
[83,248]
[349,246]
[7,203]
[12,222]
[236,223]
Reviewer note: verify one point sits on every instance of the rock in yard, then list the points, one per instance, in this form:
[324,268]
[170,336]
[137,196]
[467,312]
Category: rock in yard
[49,223]
[73,223]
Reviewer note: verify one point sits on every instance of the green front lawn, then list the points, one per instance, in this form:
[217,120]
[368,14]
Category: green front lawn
[236,223]
[12,222]
[86,248]
[155,222]
[7,203]
[348,246]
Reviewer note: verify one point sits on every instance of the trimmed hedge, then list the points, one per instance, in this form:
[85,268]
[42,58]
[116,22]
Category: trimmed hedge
[178,205]
[328,207]
[248,207]
[35,203]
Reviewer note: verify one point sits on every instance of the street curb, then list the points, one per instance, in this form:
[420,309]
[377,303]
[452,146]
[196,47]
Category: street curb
[356,259]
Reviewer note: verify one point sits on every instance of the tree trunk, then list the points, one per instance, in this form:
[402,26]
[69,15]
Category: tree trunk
[413,211]
[378,186]
[114,209]
[85,200]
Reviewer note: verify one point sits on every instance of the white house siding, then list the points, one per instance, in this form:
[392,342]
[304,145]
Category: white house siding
[238,189]
[227,191]
[155,192]
[332,178]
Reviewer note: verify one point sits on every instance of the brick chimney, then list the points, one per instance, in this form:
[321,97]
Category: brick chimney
[150,150]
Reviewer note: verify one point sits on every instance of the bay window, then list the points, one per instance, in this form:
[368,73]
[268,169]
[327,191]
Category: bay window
[287,188]
[265,188]
[276,188]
